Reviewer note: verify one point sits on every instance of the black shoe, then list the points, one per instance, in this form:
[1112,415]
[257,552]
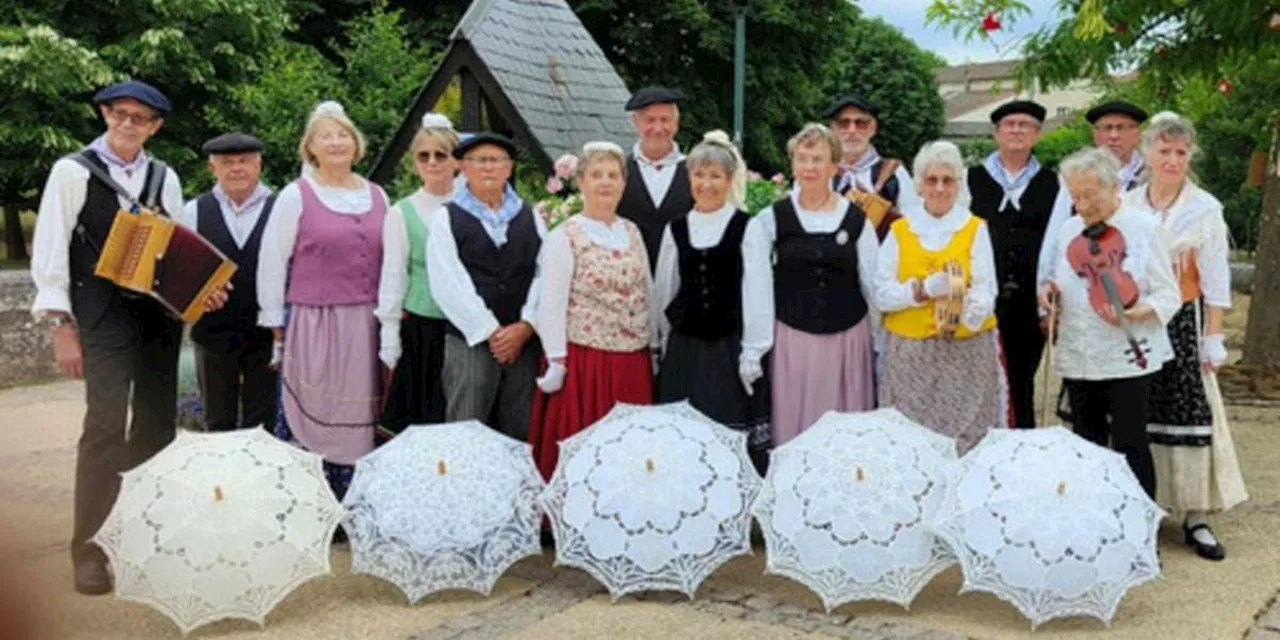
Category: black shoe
[1213,551]
[92,578]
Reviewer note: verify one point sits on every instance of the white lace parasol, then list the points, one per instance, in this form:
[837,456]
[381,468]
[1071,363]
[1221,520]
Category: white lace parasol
[220,525]
[1051,523]
[444,506]
[652,498]
[846,507]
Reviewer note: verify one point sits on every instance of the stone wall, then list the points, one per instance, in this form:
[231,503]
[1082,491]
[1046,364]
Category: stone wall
[26,354]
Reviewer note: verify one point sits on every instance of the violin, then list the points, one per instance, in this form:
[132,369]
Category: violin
[1097,255]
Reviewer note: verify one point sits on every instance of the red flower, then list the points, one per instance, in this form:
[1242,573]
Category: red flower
[1122,27]
[1224,86]
[991,22]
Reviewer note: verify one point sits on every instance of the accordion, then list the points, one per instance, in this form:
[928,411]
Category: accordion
[155,256]
[872,203]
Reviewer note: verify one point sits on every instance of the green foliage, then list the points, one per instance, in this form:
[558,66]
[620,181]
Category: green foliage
[762,192]
[1063,141]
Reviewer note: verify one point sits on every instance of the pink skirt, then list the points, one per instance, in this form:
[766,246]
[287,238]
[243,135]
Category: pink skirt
[815,373]
[332,380]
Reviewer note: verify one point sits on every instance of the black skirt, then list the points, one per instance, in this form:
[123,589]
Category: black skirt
[415,395]
[1180,413]
[705,372]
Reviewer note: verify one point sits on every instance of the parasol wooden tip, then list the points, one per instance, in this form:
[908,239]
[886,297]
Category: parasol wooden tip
[441,468]
[1062,488]
[860,474]
[217,493]
[648,465]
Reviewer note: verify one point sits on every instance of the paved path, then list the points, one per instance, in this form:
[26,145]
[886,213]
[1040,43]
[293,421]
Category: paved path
[1194,599]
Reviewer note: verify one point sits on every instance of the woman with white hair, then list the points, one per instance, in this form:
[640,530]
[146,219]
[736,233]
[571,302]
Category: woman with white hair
[698,298]
[413,347]
[941,369]
[809,264]
[593,315]
[318,277]
[1195,460]
[1106,356]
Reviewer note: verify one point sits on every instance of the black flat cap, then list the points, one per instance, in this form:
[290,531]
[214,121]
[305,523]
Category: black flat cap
[653,95]
[852,100]
[483,138]
[1033,109]
[140,91]
[1120,107]
[229,143]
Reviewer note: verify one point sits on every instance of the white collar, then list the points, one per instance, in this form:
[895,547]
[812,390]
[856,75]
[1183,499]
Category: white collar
[668,160]
[922,221]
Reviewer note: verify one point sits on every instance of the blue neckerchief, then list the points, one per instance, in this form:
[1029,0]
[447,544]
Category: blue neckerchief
[495,221]
[1012,190]
[99,146]
[866,162]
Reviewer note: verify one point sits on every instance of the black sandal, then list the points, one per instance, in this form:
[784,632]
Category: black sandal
[1213,551]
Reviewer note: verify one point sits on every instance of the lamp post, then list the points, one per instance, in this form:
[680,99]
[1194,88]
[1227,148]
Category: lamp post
[739,66]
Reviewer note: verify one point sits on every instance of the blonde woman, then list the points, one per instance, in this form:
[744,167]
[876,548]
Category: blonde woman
[413,326]
[812,306]
[949,379]
[318,287]
[1195,460]
[593,314]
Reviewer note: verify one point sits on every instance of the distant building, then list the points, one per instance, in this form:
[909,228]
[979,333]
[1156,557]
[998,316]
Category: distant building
[973,91]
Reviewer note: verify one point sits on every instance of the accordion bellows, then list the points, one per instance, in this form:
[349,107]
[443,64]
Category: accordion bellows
[156,256]
[874,205]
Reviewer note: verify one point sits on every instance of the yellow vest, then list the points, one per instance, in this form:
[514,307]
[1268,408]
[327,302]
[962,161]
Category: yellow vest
[914,261]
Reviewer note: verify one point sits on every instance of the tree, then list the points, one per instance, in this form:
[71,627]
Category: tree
[1172,42]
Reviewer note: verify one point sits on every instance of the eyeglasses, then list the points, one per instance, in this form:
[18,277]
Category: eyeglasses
[934,181]
[134,118]
[861,123]
[488,161]
[427,156]
[1019,125]
[1115,128]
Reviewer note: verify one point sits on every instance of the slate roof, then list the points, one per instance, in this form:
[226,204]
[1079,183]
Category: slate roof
[978,72]
[551,70]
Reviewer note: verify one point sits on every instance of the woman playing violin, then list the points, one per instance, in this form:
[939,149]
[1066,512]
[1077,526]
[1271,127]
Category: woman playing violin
[1194,458]
[1112,281]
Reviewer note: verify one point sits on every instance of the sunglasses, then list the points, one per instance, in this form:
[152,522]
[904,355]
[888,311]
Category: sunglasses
[859,123]
[428,156]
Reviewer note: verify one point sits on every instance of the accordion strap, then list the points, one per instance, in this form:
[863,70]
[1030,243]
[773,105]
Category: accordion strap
[886,171]
[150,192]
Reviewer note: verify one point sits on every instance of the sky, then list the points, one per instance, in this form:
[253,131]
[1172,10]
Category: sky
[908,15]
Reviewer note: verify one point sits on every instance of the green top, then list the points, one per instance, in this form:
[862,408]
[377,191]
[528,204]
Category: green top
[417,298]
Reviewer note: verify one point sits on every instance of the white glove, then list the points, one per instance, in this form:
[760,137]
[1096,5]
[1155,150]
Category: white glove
[389,344]
[277,354]
[553,379]
[1213,350]
[937,285]
[748,372]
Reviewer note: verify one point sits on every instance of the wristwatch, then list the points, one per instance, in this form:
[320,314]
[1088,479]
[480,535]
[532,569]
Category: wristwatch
[56,322]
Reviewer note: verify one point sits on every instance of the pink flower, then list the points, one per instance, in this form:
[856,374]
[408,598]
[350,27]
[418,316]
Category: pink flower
[778,178]
[566,165]
[554,185]
[753,175]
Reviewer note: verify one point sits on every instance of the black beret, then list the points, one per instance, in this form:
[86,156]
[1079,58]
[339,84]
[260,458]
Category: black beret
[1120,107]
[852,100]
[1033,109]
[653,95]
[484,137]
[229,143]
[140,91]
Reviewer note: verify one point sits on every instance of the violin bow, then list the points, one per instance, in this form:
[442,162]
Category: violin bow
[1109,285]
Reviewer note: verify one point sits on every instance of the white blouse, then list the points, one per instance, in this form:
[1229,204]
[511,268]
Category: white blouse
[935,233]
[281,233]
[758,313]
[1194,222]
[1089,348]
[453,289]
[556,264]
[394,282]
[705,230]
[64,196]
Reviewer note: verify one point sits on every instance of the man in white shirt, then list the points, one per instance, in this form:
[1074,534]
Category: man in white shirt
[657,189]
[124,345]
[233,354]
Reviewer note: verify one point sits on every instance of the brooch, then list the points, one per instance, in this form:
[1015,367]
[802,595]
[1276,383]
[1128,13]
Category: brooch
[842,238]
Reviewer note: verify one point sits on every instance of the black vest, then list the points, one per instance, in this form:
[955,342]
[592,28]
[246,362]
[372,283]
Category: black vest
[709,302]
[815,278]
[235,325]
[889,191]
[501,275]
[638,207]
[1016,235]
[92,297]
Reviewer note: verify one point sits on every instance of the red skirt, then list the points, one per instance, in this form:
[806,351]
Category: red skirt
[595,380]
